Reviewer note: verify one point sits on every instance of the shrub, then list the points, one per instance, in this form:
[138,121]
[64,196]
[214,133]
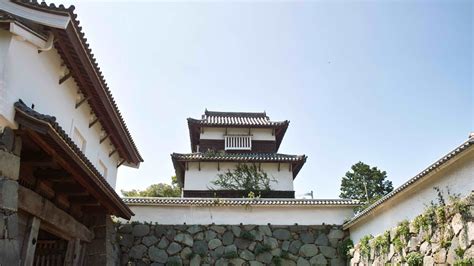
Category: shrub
[381,243]
[365,246]
[414,259]
[464,262]
[344,248]
[403,230]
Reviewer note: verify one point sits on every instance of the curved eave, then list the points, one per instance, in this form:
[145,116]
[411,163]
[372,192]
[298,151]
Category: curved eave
[297,162]
[195,125]
[46,126]
[74,49]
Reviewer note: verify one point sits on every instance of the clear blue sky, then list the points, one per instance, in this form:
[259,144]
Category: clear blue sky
[388,83]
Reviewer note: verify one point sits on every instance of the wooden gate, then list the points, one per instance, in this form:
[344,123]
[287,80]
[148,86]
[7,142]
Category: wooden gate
[50,252]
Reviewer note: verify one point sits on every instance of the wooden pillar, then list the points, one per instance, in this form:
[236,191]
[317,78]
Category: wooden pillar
[74,252]
[29,244]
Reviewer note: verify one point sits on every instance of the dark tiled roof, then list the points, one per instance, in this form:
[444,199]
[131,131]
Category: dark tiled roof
[235,119]
[20,107]
[411,182]
[61,9]
[239,202]
[179,159]
[252,157]
[212,118]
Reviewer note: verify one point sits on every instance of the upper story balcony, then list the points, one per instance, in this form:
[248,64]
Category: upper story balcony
[238,142]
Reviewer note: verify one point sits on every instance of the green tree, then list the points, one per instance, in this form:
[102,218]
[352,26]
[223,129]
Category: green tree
[244,177]
[156,190]
[365,183]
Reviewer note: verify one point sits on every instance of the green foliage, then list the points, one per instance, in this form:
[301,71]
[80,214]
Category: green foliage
[365,183]
[414,259]
[344,248]
[247,235]
[156,190]
[365,245]
[381,243]
[464,262]
[259,249]
[398,245]
[459,252]
[459,205]
[422,222]
[245,177]
[403,230]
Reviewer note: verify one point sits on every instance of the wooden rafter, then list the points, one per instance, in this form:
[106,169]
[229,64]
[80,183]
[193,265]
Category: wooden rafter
[81,102]
[113,152]
[66,77]
[121,162]
[91,124]
[104,138]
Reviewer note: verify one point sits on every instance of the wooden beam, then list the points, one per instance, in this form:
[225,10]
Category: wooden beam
[31,202]
[62,201]
[45,188]
[84,200]
[104,138]
[30,240]
[91,124]
[81,102]
[121,162]
[70,189]
[53,175]
[66,77]
[113,152]
[278,167]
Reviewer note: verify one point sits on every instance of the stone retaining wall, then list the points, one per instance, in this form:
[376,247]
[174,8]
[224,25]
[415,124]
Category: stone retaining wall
[144,244]
[443,235]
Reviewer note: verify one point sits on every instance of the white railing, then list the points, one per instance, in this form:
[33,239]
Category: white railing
[238,142]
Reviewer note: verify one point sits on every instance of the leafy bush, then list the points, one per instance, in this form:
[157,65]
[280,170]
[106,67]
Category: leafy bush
[381,243]
[344,248]
[244,177]
[403,230]
[365,246]
[414,259]
[464,262]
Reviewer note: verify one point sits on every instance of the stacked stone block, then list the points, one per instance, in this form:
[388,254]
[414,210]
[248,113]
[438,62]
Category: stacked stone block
[449,244]
[145,244]
[9,173]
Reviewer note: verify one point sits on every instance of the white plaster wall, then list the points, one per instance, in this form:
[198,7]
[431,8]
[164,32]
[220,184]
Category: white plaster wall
[278,215]
[218,133]
[34,77]
[195,179]
[458,177]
